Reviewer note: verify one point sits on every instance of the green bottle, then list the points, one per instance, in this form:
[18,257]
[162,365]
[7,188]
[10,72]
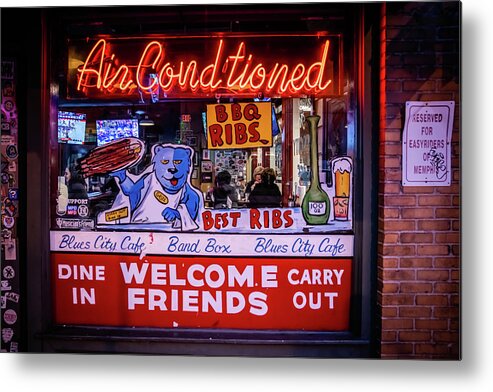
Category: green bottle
[316,204]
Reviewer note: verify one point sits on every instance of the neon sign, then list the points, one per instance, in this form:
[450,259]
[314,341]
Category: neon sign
[179,67]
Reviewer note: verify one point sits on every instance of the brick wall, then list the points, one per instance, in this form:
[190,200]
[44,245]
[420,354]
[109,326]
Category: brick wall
[418,227]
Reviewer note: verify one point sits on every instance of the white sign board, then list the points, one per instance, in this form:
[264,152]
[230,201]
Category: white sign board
[426,143]
[203,244]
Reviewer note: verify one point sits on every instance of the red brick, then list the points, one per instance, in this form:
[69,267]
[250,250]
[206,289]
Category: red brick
[393,85]
[391,149]
[455,250]
[393,324]
[452,189]
[446,287]
[434,225]
[399,250]
[389,311]
[436,97]
[447,238]
[391,136]
[398,299]
[431,349]
[417,189]
[389,336]
[447,213]
[439,250]
[389,288]
[388,238]
[388,212]
[447,262]
[406,287]
[416,262]
[396,349]
[413,85]
[446,337]
[422,59]
[435,275]
[416,237]
[390,162]
[456,225]
[417,213]
[414,336]
[415,311]
[432,300]
[390,262]
[433,200]
[398,225]
[401,73]
[390,175]
[455,300]
[399,275]
[431,324]
[446,312]
[390,188]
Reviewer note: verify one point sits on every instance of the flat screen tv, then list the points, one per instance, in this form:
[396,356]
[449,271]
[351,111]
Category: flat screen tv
[109,130]
[71,127]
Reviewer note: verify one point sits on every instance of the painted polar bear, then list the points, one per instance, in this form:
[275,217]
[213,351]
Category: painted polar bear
[160,194]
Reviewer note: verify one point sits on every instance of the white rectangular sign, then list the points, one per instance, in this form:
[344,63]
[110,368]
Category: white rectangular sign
[203,244]
[426,143]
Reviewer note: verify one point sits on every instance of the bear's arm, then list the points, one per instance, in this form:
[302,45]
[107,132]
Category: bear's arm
[191,200]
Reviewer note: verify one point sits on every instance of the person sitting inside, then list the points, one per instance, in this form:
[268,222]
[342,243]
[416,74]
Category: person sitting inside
[75,183]
[224,195]
[267,193]
[257,179]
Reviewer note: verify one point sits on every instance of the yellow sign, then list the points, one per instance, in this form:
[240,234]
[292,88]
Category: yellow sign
[161,197]
[239,125]
[117,214]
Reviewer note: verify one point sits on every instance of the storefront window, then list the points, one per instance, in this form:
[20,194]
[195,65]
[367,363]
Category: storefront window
[205,190]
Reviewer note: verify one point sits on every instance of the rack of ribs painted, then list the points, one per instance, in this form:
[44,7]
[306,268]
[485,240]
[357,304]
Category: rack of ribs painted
[111,157]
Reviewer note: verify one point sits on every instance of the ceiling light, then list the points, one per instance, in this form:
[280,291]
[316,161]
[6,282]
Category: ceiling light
[146,122]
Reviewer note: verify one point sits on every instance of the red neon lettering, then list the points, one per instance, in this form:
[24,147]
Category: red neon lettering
[238,72]
[212,69]
[143,66]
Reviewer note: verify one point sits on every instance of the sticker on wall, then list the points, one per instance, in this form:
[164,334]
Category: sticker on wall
[79,224]
[8,221]
[13,193]
[10,316]
[8,272]
[7,334]
[10,249]
[11,151]
[11,296]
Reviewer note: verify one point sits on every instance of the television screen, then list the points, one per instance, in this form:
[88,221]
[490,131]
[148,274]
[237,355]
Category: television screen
[108,130]
[71,127]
